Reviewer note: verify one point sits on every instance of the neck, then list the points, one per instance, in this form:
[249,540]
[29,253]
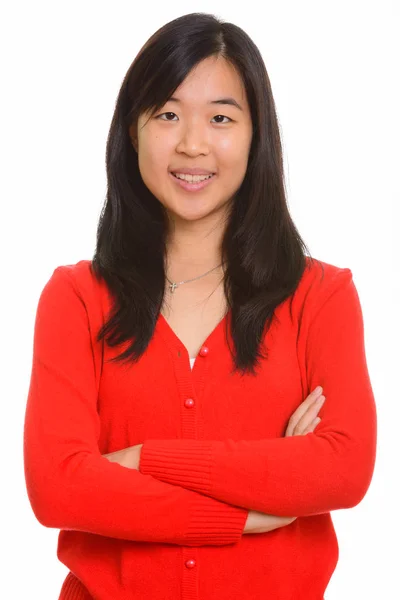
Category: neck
[192,248]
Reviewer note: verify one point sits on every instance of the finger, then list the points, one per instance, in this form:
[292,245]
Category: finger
[305,405]
[309,416]
[302,409]
[312,426]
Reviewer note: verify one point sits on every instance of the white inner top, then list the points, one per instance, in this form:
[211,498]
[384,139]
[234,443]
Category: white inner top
[192,362]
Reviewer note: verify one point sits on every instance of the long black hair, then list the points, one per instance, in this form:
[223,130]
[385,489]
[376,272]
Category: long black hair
[263,252]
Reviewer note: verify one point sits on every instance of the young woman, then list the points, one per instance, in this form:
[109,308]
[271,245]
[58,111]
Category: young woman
[173,427]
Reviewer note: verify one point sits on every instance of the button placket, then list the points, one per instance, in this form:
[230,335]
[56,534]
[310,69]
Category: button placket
[192,428]
[190,584]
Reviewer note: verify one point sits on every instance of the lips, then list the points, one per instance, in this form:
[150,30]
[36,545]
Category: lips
[192,186]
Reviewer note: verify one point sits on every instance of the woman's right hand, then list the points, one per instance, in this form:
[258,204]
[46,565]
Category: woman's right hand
[304,420]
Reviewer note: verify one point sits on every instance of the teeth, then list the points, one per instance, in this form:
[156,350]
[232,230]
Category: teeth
[192,178]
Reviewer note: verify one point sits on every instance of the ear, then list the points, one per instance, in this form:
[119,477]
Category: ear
[132,135]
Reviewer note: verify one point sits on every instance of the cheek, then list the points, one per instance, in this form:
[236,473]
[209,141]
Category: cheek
[233,148]
[153,157]
[226,146]
[232,156]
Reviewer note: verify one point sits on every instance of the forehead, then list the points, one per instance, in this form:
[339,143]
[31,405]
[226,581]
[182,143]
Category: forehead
[211,79]
[214,76]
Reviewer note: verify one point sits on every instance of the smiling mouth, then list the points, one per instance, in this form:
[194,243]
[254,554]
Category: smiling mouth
[194,185]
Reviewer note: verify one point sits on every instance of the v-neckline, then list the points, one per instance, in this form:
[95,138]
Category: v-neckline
[176,342]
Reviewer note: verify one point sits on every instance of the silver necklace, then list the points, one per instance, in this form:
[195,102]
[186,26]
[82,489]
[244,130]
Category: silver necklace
[174,285]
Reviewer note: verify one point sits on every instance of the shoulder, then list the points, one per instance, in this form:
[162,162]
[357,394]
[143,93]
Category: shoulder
[78,278]
[80,273]
[320,281]
[322,274]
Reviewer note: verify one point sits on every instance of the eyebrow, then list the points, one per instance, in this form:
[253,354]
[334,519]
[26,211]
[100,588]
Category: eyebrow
[229,100]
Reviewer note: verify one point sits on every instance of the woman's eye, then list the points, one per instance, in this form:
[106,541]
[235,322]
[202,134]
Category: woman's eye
[171,113]
[224,117]
[166,113]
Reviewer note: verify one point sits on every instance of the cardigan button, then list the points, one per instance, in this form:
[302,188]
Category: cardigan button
[204,351]
[190,563]
[189,402]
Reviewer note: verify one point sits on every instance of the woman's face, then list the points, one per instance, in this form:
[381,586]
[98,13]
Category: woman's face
[194,131]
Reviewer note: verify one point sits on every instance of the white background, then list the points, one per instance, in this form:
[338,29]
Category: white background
[334,70]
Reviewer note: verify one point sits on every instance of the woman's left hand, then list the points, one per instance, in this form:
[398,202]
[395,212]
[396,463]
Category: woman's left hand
[128,457]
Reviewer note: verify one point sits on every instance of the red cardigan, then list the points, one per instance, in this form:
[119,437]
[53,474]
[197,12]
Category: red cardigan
[213,447]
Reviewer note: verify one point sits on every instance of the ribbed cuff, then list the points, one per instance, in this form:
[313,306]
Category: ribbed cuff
[73,589]
[215,523]
[188,463]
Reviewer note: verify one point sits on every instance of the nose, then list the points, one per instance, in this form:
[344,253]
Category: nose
[193,140]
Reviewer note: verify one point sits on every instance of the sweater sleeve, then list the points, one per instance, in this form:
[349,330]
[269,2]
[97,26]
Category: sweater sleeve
[327,469]
[70,484]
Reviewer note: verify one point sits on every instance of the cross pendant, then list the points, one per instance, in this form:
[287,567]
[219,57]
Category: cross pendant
[173,286]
